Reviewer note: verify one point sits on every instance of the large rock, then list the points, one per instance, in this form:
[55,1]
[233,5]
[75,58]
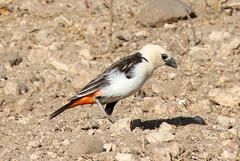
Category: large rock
[157,12]
[86,145]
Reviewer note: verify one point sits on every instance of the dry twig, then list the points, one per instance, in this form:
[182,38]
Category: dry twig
[110,25]
[196,41]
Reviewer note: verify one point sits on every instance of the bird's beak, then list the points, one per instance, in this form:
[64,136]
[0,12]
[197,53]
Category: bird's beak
[171,62]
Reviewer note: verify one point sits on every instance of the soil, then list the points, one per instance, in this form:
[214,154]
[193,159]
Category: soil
[65,44]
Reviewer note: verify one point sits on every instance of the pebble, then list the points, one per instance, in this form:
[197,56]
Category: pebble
[38,54]
[55,46]
[109,147]
[23,105]
[44,37]
[161,136]
[126,157]
[223,80]
[143,34]
[223,97]
[58,65]
[121,126]
[15,87]
[157,88]
[161,154]
[202,106]
[228,48]
[33,144]
[235,90]
[18,35]
[199,54]
[34,156]
[53,155]
[218,36]
[166,127]
[175,150]
[13,59]
[228,155]
[86,54]
[86,145]
[224,121]
[157,12]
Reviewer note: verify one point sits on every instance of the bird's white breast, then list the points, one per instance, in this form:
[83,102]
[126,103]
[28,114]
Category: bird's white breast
[121,87]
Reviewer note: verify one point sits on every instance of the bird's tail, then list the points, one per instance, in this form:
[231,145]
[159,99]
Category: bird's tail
[63,108]
[89,99]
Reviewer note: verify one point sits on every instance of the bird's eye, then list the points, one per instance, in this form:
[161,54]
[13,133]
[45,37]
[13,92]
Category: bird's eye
[164,56]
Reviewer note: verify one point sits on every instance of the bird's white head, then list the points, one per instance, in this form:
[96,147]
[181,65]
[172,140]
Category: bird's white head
[157,56]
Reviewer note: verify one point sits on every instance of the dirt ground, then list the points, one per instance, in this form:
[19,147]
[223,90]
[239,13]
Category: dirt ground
[61,45]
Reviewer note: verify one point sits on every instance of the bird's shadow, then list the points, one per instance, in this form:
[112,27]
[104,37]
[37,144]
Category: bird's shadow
[178,121]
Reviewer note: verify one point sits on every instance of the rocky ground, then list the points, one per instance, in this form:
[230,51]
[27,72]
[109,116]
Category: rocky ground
[50,49]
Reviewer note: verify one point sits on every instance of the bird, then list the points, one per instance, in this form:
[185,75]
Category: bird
[122,79]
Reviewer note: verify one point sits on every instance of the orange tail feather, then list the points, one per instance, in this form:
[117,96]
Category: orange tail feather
[81,101]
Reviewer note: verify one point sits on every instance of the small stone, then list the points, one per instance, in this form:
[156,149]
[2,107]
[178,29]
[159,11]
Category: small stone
[202,106]
[171,76]
[199,54]
[44,37]
[175,150]
[38,54]
[66,142]
[53,155]
[228,155]
[86,145]
[166,127]
[161,136]
[92,29]
[18,35]
[126,157]
[13,59]
[218,36]
[121,126]
[223,97]
[157,12]
[223,80]
[109,147]
[156,87]
[231,47]
[224,121]
[3,72]
[235,90]
[74,68]
[33,144]
[34,156]
[141,34]
[86,54]
[56,46]
[23,106]
[137,111]
[15,88]
[58,65]
[161,154]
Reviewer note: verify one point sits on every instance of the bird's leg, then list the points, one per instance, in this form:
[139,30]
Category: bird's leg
[104,112]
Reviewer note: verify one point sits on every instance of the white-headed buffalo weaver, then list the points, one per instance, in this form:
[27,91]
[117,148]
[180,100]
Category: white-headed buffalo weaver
[120,80]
